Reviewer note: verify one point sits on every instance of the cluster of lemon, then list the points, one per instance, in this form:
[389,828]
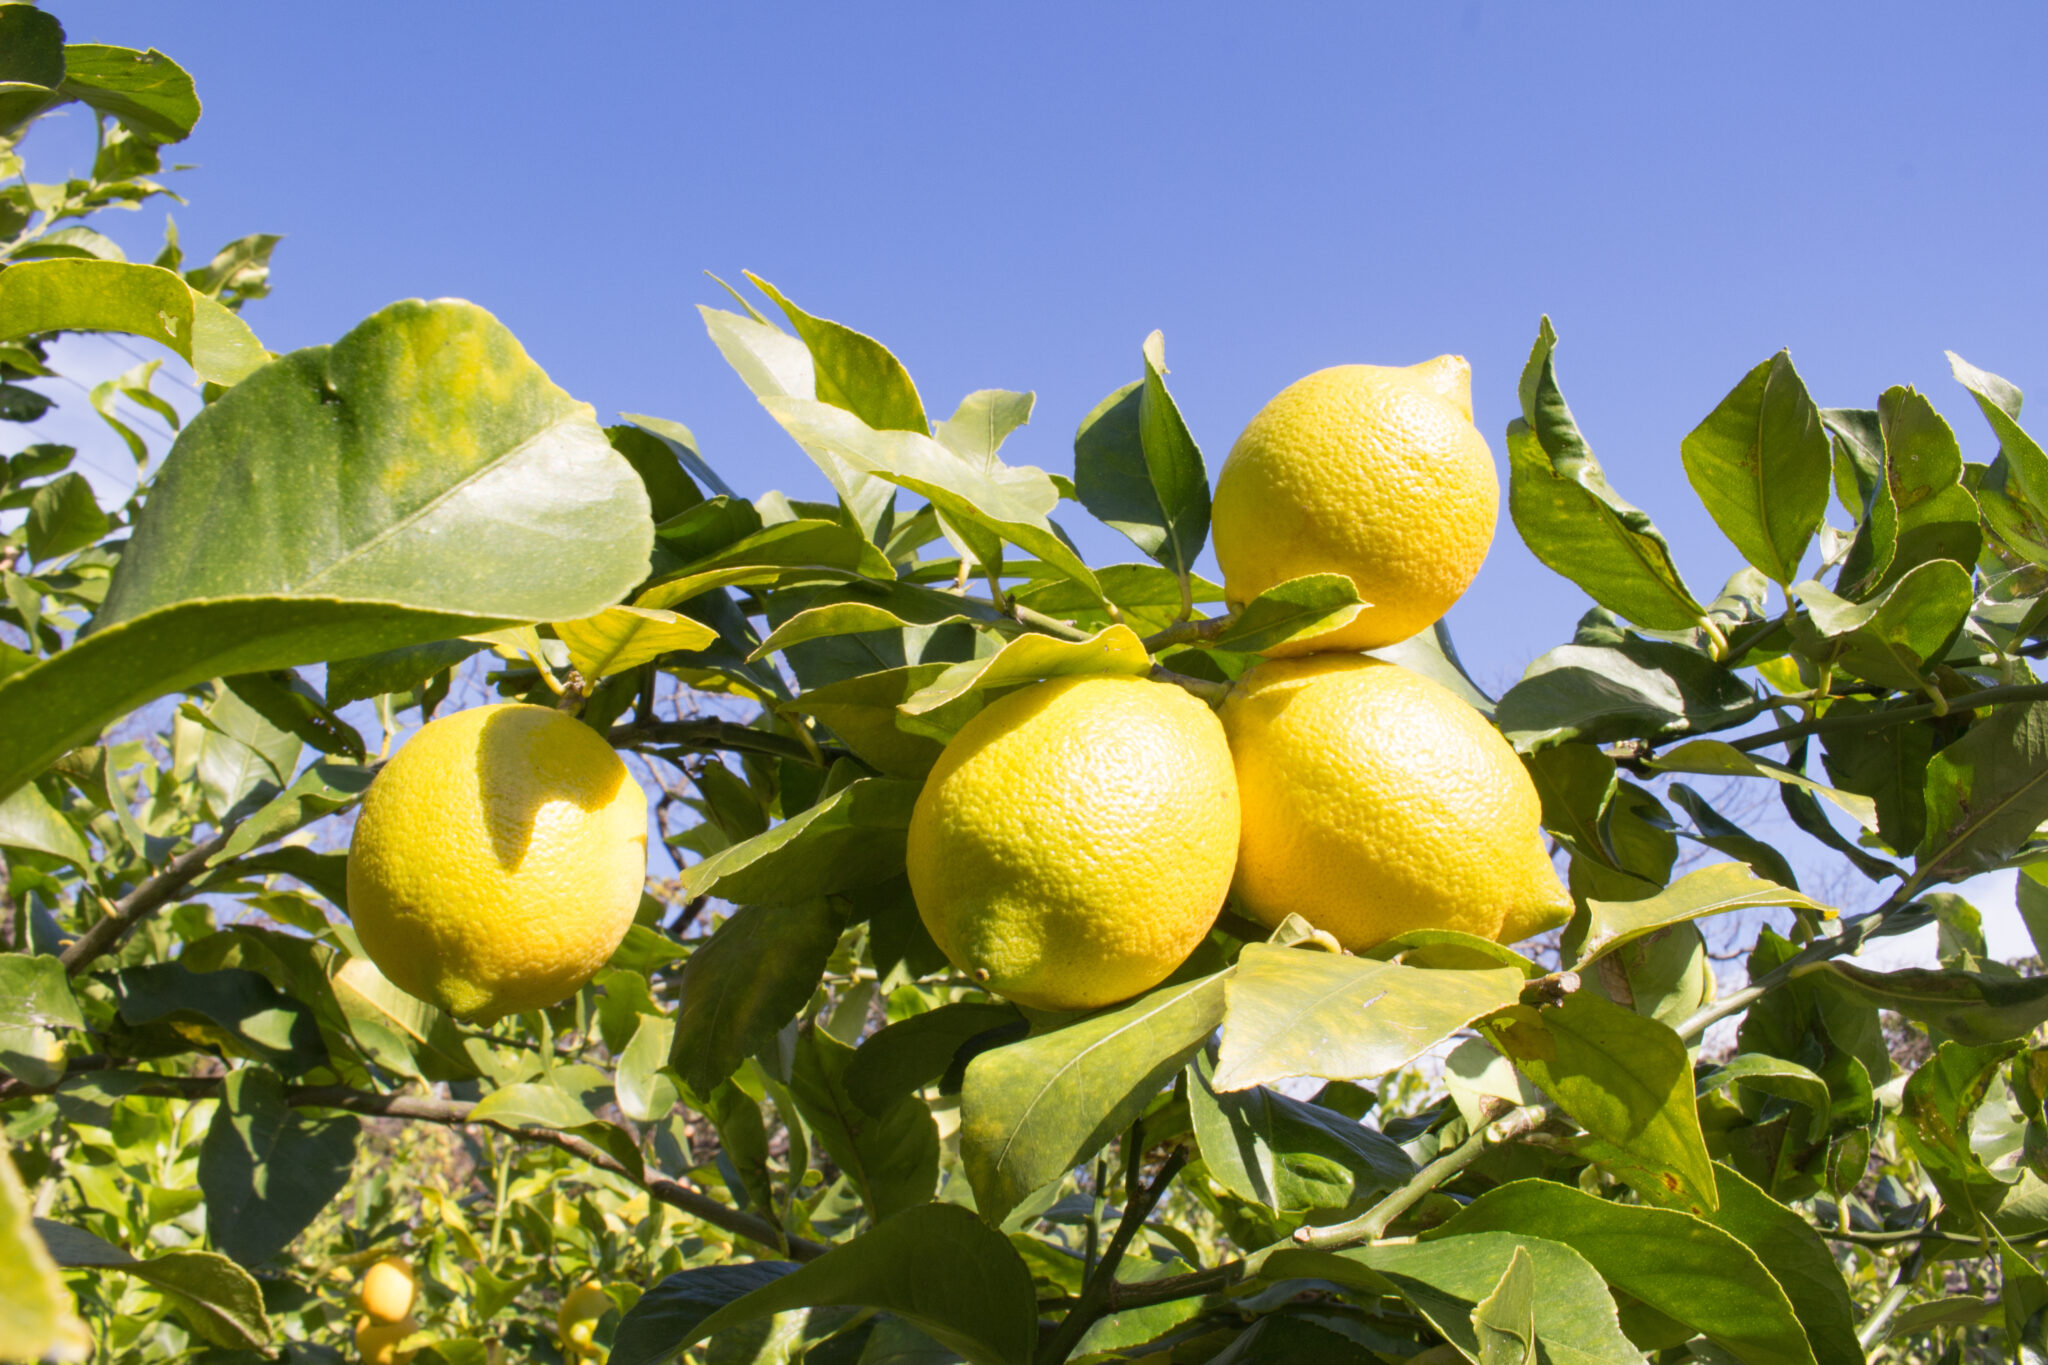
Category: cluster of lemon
[1078,837]
[389,1289]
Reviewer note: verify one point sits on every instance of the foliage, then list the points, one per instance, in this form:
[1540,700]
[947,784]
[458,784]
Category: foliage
[778,1125]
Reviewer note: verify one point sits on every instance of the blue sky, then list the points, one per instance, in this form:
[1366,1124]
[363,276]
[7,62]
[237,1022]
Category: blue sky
[1014,196]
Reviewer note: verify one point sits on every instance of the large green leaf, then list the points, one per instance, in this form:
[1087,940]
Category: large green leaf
[934,1266]
[76,294]
[854,371]
[236,1010]
[1574,521]
[864,712]
[1712,890]
[1918,509]
[409,483]
[35,1001]
[268,1172]
[1031,658]
[1290,1156]
[1030,1111]
[28,820]
[36,1315]
[1137,468]
[914,1052]
[1297,1012]
[890,1155]
[1445,1280]
[852,838]
[1723,835]
[1971,1006]
[31,67]
[149,93]
[1896,635]
[1635,688]
[1298,609]
[1999,401]
[1627,1079]
[1761,464]
[1799,1260]
[1986,793]
[745,982]
[1679,1264]
[1936,1108]
[221,1301]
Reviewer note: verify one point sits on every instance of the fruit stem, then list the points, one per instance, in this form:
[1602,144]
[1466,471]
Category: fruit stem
[1184,632]
[1211,692]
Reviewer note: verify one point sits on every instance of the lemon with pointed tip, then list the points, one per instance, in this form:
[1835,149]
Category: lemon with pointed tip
[1075,840]
[1376,802]
[498,860]
[388,1290]
[1371,471]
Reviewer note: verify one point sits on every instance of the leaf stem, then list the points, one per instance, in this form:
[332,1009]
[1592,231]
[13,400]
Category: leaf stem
[1975,701]
[705,734]
[1096,1295]
[1038,620]
[1376,1220]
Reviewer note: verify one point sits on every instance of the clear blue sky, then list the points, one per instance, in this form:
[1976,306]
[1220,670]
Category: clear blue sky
[1014,196]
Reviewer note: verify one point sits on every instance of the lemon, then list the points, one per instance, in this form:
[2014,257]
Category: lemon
[1375,802]
[1075,840]
[377,1342]
[1371,471]
[498,860]
[576,1320]
[388,1288]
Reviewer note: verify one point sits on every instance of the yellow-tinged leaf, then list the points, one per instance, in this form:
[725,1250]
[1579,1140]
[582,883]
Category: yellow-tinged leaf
[1029,658]
[619,638]
[36,1317]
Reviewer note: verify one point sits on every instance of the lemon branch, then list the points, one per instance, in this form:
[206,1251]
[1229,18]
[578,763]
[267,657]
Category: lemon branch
[1094,1302]
[676,1193]
[1189,632]
[706,734]
[1975,701]
[149,896]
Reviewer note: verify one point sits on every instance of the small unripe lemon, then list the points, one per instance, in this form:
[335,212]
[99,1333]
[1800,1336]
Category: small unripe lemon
[1371,471]
[576,1321]
[1376,802]
[377,1342]
[1075,840]
[498,860]
[388,1290]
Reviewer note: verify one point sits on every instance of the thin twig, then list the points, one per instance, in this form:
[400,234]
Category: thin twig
[1094,1302]
[1975,701]
[1376,1220]
[146,899]
[705,735]
[1211,692]
[1188,632]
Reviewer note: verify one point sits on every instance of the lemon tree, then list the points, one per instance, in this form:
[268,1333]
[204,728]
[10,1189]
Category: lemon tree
[1038,959]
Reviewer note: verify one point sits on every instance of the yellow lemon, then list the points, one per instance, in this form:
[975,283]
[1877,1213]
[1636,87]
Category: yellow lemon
[377,1342]
[1371,471]
[1075,840]
[577,1319]
[498,860]
[1376,802]
[388,1289]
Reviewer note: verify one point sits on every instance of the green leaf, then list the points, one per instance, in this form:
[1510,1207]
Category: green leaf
[1799,1260]
[1761,464]
[745,982]
[1986,793]
[1298,609]
[266,1171]
[1431,653]
[31,66]
[1504,1322]
[1008,504]
[1999,401]
[1788,1081]
[28,820]
[893,606]
[982,422]
[1137,468]
[64,517]
[1446,1280]
[437,404]
[84,295]
[1678,1264]
[1723,835]
[393,670]
[148,92]
[35,1001]
[1717,758]
[36,1315]
[1031,658]
[398,1031]
[1031,1111]
[1971,1006]
[935,1266]
[314,794]
[1960,1310]
[1574,521]
[854,371]
[219,1299]
[1635,688]
[682,444]
[670,489]
[1919,511]
[1299,1012]
[1896,636]
[852,838]
[912,1053]
[236,1010]
[1627,1079]
[863,712]
[645,1094]
[533,1104]
[621,638]
[891,1156]
[1939,1101]
[1712,890]
[1290,1156]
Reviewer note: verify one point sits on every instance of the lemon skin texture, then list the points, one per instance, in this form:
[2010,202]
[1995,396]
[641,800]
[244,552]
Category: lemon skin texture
[1376,802]
[388,1289]
[498,860]
[1075,840]
[377,1342]
[576,1321]
[1371,471]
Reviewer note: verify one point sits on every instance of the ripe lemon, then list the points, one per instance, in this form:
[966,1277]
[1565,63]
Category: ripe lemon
[377,1342]
[576,1320]
[498,860]
[1371,471]
[1075,840]
[388,1289]
[1376,802]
